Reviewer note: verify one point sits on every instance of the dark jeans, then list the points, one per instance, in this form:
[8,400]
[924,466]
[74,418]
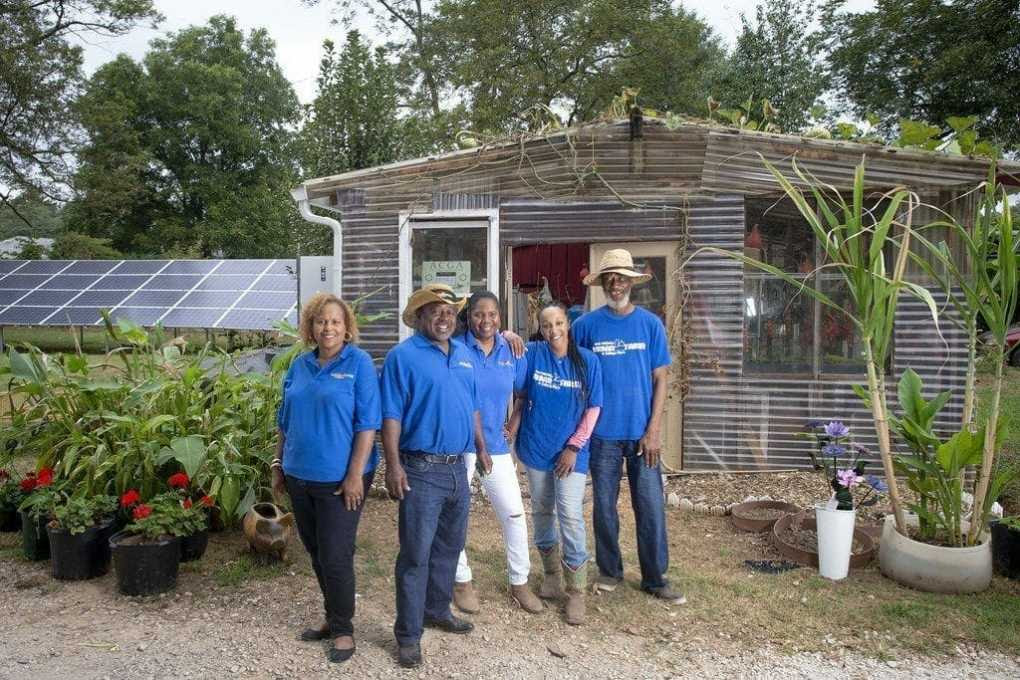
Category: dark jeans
[328,530]
[433,528]
[607,458]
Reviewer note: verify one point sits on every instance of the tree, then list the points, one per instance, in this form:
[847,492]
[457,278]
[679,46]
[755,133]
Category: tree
[775,60]
[30,250]
[205,119]
[929,60]
[32,209]
[40,75]
[352,123]
[569,55]
[74,246]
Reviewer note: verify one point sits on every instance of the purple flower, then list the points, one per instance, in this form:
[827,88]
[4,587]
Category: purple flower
[848,478]
[862,450]
[877,483]
[836,429]
[833,450]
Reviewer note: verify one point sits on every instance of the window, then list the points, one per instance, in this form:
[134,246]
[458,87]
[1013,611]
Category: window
[786,331]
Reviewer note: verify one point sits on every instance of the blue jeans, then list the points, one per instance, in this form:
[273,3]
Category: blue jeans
[433,527]
[559,501]
[606,462]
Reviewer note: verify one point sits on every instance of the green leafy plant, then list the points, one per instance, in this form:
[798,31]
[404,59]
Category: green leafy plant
[11,494]
[1011,522]
[164,515]
[78,513]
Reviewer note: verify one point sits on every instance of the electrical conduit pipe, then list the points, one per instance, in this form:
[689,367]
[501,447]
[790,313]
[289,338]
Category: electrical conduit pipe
[300,196]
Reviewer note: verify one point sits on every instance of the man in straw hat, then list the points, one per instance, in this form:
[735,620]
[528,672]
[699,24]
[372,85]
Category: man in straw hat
[430,420]
[631,345]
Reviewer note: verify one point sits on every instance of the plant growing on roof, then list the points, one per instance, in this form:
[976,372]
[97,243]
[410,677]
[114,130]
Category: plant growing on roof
[854,241]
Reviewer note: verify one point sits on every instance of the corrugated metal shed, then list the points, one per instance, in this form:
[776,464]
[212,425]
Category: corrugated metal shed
[594,184]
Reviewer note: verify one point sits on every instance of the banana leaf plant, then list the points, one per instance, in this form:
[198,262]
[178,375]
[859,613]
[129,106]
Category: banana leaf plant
[855,240]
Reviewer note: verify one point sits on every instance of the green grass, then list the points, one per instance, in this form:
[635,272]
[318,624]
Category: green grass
[246,568]
[1009,410]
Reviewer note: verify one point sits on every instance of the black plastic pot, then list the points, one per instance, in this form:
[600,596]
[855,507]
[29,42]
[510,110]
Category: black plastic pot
[145,568]
[35,543]
[10,520]
[1006,549]
[77,557]
[193,546]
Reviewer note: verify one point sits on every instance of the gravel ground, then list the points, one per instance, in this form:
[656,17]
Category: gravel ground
[209,629]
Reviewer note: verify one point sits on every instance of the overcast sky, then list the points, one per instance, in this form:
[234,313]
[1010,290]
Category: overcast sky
[299,30]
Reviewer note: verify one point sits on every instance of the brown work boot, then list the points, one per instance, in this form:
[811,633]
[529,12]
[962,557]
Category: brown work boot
[576,581]
[465,598]
[550,588]
[523,596]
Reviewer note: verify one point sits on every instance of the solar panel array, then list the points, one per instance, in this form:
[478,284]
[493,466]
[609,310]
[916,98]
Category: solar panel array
[227,294]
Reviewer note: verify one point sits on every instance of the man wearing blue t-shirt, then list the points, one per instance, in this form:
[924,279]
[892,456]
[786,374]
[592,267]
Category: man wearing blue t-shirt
[631,345]
[430,420]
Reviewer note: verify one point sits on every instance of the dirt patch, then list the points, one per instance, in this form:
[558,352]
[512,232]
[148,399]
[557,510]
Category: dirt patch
[231,617]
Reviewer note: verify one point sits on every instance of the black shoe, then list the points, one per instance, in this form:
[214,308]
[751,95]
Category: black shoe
[340,655]
[314,634]
[451,625]
[409,656]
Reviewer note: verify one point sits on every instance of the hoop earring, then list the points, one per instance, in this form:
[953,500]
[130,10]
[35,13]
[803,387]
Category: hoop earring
[347,336]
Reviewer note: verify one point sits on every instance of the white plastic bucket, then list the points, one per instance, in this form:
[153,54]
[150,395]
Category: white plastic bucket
[835,538]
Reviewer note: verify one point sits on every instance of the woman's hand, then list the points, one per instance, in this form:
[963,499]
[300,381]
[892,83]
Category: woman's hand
[279,485]
[565,463]
[353,491]
[516,343]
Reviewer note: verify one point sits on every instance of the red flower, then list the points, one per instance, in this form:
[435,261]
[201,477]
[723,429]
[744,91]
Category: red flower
[45,477]
[207,501]
[130,497]
[28,483]
[186,503]
[141,512]
[178,481]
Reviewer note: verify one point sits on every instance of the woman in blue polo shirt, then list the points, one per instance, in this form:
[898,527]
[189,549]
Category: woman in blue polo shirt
[556,411]
[326,457]
[497,373]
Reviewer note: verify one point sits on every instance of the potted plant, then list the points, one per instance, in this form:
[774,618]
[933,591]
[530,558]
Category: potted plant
[147,552]
[79,536]
[839,460]
[1006,546]
[11,496]
[194,519]
[938,555]
[41,495]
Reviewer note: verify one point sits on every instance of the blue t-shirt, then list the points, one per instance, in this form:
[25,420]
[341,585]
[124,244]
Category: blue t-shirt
[553,407]
[323,408]
[629,348]
[432,394]
[497,376]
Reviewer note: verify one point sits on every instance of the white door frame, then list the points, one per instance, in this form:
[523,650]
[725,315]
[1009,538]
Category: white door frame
[447,219]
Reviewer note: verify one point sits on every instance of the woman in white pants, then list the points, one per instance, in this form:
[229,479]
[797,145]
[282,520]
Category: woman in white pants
[498,372]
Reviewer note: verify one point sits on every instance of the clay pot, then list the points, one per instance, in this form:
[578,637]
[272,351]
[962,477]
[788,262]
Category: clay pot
[746,516]
[268,529]
[809,558]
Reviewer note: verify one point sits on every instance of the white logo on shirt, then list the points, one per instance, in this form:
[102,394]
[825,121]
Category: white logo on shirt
[505,364]
[614,348]
[343,376]
[464,364]
[553,382]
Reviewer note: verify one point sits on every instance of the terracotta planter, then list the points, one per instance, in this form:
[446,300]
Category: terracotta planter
[268,530]
[934,568]
[794,553]
[745,515]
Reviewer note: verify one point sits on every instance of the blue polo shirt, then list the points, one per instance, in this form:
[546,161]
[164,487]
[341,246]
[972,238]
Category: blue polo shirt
[629,348]
[497,376]
[553,408]
[323,408]
[432,394]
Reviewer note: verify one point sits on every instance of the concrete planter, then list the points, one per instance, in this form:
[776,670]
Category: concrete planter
[933,568]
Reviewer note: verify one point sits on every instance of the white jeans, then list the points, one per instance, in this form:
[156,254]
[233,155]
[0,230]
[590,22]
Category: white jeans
[504,493]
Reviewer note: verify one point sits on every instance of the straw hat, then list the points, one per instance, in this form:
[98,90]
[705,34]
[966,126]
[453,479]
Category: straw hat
[430,292]
[619,261]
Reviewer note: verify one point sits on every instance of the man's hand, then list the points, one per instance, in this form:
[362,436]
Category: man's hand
[279,485]
[650,446]
[516,343]
[565,463]
[483,463]
[353,491]
[396,481]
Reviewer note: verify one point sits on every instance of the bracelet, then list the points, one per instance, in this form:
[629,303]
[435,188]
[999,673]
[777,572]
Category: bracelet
[277,464]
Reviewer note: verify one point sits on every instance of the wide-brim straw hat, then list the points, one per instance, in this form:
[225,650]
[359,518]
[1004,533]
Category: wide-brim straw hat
[427,294]
[618,261]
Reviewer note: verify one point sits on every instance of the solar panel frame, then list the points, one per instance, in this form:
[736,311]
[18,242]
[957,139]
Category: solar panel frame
[16,315]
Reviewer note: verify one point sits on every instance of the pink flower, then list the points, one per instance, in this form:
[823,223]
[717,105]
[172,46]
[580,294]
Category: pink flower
[849,478]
